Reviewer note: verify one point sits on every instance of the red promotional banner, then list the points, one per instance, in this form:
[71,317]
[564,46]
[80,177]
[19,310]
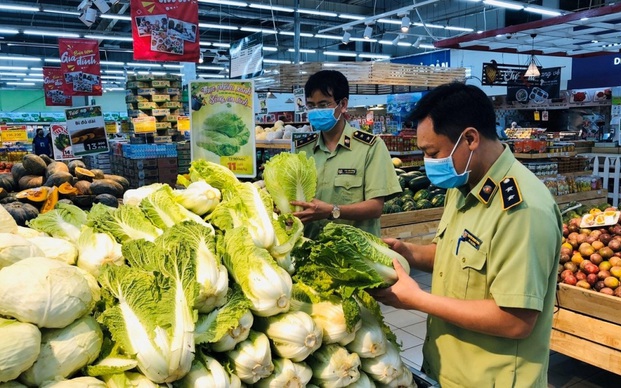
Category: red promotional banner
[53,86]
[165,31]
[79,62]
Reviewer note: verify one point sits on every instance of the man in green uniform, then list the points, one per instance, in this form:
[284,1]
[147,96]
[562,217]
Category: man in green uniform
[494,257]
[354,170]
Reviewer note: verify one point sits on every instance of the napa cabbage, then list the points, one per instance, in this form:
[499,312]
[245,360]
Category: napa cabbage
[129,379]
[133,197]
[251,360]
[387,368]
[56,248]
[294,334]
[76,382]
[215,174]
[286,374]
[7,222]
[333,366]
[96,250]
[127,222]
[14,248]
[20,344]
[163,211]
[290,177]
[205,372]
[199,197]
[289,231]
[64,221]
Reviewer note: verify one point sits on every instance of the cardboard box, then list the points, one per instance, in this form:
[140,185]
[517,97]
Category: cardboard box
[160,112]
[147,105]
[160,98]
[160,84]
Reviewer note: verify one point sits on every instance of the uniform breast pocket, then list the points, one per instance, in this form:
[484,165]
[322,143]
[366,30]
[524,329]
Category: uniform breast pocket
[469,280]
[348,189]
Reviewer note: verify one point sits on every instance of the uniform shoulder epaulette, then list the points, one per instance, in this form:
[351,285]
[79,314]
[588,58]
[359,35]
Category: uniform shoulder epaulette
[365,137]
[510,192]
[488,190]
[311,137]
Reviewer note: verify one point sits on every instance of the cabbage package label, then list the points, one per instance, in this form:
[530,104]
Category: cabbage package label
[222,124]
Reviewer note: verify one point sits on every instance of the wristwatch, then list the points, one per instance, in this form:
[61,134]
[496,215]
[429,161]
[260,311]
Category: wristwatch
[336,212]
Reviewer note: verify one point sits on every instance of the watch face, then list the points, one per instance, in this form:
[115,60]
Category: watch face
[336,212]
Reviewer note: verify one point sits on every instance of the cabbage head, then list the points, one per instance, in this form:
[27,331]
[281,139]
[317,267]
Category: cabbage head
[14,248]
[20,344]
[290,177]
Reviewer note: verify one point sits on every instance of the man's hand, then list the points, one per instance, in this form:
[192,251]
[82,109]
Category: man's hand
[403,294]
[312,211]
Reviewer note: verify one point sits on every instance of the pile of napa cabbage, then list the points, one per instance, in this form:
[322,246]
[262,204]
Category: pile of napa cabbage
[211,285]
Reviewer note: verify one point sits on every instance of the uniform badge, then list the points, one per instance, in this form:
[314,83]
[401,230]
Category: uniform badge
[470,238]
[346,171]
[365,137]
[510,192]
[488,190]
[347,142]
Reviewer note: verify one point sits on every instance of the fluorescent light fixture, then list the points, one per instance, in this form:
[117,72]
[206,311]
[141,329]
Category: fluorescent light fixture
[464,29]
[351,17]
[110,37]
[205,43]
[437,26]
[504,4]
[389,42]
[59,34]
[389,21]
[61,12]
[36,69]
[172,66]
[270,49]
[542,11]
[324,36]
[114,71]
[33,79]
[13,74]
[291,33]
[340,54]
[368,31]
[19,8]
[374,56]
[10,79]
[271,7]
[305,51]
[261,30]
[218,44]
[8,31]
[20,68]
[218,26]
[138,64]
[115,17]
[216,68]
[21,83]
[225,2]
[405,23]
[354,39]
[52,60]
[427,46]
[404,44]
[111,63]
[212,76]
[23,59]
[346,37]
[276,61]
[112,77]
[318,13]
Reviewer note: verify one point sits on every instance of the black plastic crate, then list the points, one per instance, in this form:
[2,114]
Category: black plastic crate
[422,380]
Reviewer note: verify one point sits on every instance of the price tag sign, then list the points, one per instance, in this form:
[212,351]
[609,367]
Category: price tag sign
[242,165]
[13,135]
[111,127]
[183,123]
[87,130]
[144,124]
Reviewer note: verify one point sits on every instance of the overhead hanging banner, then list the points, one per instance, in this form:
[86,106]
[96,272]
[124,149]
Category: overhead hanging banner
[165,30]
[498,74]
[61,143]
[547,86]
[222,121]
[53,85]
[87,130]
[79,62]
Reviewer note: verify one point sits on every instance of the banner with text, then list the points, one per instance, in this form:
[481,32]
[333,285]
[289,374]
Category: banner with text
[53,87]
[165,31]
[222,122]
[79,62]
[87,130]
[547,86]
[61,143]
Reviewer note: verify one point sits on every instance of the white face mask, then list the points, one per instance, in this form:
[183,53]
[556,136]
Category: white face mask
[441,172]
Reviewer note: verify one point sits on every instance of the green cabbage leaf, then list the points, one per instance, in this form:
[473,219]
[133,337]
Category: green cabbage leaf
[290,177]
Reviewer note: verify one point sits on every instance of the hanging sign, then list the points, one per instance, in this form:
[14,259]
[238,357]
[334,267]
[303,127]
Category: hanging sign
[79,62]
[498,74]
[61,142]
[262,102]
[165,30]
[547,87]
[222,121]
[247,57]
[87,130]
[53,86]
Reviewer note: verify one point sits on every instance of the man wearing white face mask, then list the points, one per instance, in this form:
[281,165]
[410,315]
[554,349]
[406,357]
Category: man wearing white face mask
[354,169]
[494,256]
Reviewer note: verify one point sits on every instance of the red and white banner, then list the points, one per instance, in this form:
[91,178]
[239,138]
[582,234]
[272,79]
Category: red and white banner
[165,31]
[53,87]
[79,62]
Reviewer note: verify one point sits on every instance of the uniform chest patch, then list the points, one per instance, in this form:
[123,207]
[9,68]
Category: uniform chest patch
[346,171]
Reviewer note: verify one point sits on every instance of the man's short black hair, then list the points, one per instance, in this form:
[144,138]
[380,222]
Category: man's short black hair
[329,82]
[456,106]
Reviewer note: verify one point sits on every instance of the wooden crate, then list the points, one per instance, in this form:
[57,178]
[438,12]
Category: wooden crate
[587,198]
[587,326]
[417,226]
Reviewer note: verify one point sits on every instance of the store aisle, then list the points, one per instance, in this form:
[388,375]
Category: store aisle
[564,372]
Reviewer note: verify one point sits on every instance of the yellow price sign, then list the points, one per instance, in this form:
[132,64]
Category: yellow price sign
[111,127]
[183,123]
[239,165]
[14,135]
[144,124]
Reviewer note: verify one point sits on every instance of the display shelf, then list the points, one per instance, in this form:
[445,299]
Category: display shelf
[405,153]
[281,144]
[545,155]
[586,198]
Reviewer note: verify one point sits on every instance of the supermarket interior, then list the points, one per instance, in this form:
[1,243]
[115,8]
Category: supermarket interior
[133,132]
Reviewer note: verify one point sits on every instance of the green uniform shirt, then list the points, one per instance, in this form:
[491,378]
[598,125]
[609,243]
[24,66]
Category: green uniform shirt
[499,241]
[359,169]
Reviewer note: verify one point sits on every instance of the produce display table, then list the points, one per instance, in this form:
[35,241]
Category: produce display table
[586,327]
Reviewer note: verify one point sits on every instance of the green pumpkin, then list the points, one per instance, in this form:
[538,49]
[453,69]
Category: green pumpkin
[21,212]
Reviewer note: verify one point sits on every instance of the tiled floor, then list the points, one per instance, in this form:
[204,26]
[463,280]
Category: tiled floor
[409,326]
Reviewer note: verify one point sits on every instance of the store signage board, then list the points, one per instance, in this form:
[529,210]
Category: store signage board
[80,65]
[61,142]
[165,30]
[145,124]
[53,86]
[547,86]
[87,130]
[262,103]
[14,134]
[597,71]
[222,124]
[498,74]
[247,57]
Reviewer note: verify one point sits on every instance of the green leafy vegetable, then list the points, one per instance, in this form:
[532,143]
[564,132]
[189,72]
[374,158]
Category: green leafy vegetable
[163,211]
[62,222]
[223,134]
[290,177]
[127,222]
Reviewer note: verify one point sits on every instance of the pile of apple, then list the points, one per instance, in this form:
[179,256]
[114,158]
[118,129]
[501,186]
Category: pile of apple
[591,257]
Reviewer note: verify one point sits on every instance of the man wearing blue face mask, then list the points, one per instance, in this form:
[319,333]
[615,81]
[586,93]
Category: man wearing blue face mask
[494,256]
[354,168]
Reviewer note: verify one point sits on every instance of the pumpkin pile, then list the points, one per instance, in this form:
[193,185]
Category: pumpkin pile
[37,183]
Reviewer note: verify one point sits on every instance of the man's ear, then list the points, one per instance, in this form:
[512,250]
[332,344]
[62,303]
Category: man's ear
[473,137]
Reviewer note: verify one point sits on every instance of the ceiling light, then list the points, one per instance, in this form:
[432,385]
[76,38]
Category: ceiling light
[218,26]
[389,21]
[22,68]
[533,63]
[305,51]
[25,59]
[405,24]
[12,74]
[113,71]
[271,7]
[218,44]
[19,8]
[374,56]
[225,2]
[271,95]
[116,17]
[346,36]
[261,30]
[291,33]
[205,43]
[325,36]
[52,60]
[427,46]
[173,66]
[464,29]
[428,25]
[318,13]
[21,83]
[270,49]
[201,59]
[110,37]
[112,63]
[368,31]
[8,31]
[340,54]
[351,17]
[281,61]
[542,11]
[61,12]
[59,34]
[138,64]
[504,4]
[210,67]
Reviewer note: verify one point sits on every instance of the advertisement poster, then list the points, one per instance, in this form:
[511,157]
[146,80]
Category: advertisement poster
[87,130]
[262,102]
[61,143]
[222,122]
[79,63]
[165,30]
[53,87]
[547,86]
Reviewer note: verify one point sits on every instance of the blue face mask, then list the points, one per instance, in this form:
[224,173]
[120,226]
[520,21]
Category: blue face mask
[323,119]
[442,173]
